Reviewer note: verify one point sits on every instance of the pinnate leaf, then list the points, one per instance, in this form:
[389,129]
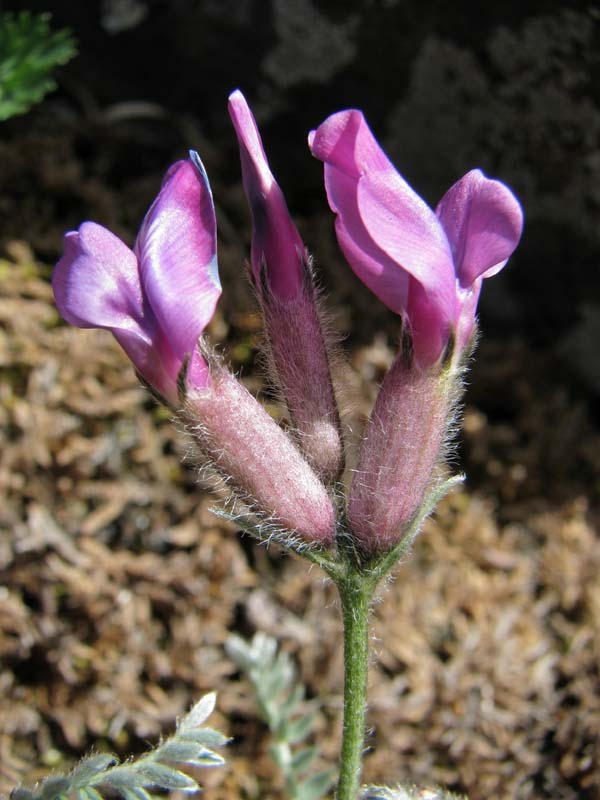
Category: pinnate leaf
[93,776]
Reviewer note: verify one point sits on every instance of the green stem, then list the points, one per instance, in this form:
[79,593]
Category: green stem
[355,592]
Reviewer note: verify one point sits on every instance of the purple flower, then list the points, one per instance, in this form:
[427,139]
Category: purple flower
[276,244]
[425,266]
[157,299]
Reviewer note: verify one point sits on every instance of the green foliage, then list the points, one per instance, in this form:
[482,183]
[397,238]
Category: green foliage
[29,51]
[190,745]
[279,696]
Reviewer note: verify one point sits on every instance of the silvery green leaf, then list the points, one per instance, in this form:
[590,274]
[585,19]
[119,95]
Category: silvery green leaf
[316,786]
[54,786]
[204,736]
[123,777]
[199,713]
[298,729]
[150,774]
[303,759]
[208,759]
[189,745]
[180,750]
[285,663]
[86,769]
[126,776]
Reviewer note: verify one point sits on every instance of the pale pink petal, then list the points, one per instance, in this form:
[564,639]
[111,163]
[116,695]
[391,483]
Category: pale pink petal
[276,243]
[176,248]
[483,222]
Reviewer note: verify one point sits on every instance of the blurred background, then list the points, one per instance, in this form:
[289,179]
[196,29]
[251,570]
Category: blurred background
[117,585]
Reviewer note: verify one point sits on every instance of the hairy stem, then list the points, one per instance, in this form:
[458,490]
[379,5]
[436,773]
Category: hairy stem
[355,594]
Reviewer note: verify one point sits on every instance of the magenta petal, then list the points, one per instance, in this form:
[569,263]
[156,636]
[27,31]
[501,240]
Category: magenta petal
[382,275]
[429,329]
[391,238]
[465,320]
[255,166]
[96,285]
[96,282]
[176,248]
[345,141]
[276,242]
[407,230]
[483,222]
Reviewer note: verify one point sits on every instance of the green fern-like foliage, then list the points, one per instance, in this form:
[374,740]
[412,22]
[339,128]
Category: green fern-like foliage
[29,52]
[279,695]
[163,768]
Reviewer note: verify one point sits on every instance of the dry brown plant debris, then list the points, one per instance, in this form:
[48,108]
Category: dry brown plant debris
[118,587]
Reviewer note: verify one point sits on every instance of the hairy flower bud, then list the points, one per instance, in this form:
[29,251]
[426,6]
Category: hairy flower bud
[297,350]
[401,451]
[246,446]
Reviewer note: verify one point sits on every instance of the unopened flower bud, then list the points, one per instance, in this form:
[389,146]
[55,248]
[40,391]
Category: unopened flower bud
[297,350]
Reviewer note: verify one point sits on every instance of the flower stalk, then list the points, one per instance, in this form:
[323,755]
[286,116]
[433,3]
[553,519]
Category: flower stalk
[356,593]
[357,580]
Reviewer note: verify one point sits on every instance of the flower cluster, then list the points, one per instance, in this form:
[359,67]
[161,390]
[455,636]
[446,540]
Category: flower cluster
[427,266]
